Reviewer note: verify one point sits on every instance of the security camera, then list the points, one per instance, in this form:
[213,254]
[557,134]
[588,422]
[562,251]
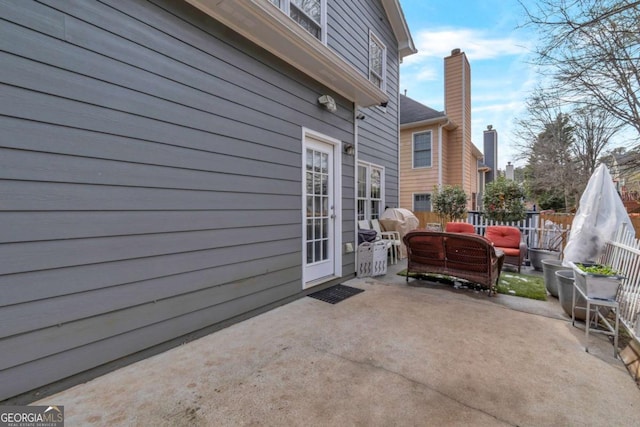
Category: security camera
[384,104]
[328,102]
[360,116]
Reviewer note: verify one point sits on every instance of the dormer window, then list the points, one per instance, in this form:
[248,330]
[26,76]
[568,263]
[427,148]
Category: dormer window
[310,14]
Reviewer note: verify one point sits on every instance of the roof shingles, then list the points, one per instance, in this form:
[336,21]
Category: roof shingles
[412,111]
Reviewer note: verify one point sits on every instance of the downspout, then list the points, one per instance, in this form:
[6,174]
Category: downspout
[398,148]
[355,186]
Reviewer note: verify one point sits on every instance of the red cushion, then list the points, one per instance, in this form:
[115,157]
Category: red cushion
[510,251]
[459,227]
[503,236]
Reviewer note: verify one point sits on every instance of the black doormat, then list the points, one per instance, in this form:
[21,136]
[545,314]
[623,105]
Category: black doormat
[335,294]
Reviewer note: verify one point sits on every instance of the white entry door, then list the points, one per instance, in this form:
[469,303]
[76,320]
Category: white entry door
[319,210]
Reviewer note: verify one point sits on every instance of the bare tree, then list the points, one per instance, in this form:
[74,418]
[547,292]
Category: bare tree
[592,49]
[562,150]
[543,107]
[593,129]
[552,169]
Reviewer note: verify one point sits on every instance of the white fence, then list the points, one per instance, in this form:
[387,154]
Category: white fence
[534,233]
[623,255]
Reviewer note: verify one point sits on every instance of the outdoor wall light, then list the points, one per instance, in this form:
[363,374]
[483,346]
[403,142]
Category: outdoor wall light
[349,149]
[328,102]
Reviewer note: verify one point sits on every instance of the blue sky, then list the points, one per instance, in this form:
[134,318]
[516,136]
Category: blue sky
[498,52]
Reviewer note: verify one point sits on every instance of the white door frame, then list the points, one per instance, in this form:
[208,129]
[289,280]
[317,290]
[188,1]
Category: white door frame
[336,146]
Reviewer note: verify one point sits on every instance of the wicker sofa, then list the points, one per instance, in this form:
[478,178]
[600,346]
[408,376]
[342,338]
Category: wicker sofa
[465,256]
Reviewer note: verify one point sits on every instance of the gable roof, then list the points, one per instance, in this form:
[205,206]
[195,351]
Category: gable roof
[399,26]
[411,111]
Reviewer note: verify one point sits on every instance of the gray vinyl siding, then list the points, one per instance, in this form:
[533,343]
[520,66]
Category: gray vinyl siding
[378,133]
[150,180]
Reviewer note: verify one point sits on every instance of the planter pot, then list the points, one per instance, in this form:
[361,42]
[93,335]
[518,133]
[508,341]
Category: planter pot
[536,256]
[549,268]
[597,285]
[565,294]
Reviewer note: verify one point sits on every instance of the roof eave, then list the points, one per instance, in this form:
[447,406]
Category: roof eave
[443,120]
[264,24]
[476,151]
[400,27]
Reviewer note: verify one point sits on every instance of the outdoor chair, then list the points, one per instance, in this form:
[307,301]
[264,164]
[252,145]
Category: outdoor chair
[459,227]
[509,241]
[391,249]
[392,236]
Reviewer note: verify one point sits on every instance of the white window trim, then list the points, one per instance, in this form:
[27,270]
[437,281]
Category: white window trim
[413,150]
[378,41]
[413,201]
[285,7]
[367,209]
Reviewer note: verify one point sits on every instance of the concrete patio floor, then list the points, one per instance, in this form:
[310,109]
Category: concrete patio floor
[396,354]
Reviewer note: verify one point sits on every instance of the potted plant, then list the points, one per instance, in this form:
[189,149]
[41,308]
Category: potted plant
[549,245]
[564,283]
[596,280]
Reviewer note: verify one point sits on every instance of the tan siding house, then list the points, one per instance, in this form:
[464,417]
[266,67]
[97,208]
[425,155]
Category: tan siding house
[435,146]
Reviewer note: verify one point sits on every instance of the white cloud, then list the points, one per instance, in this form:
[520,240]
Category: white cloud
[498,108]
[427,74]
[478,45]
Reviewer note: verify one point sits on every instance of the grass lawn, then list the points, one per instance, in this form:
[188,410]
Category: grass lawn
[520,285]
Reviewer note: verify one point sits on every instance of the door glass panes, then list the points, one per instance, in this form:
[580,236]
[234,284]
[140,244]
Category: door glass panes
[362,192]
[375,209]
[375,183]
[318,209]
[362,181]
[369,205]
[376,192]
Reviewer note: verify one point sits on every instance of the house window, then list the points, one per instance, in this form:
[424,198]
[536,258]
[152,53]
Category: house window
[422,149]
[422,202]
[377,61]
[310,14]
[370,191]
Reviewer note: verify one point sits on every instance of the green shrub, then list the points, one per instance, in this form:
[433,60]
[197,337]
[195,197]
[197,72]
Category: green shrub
[450,202]
[503,201]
